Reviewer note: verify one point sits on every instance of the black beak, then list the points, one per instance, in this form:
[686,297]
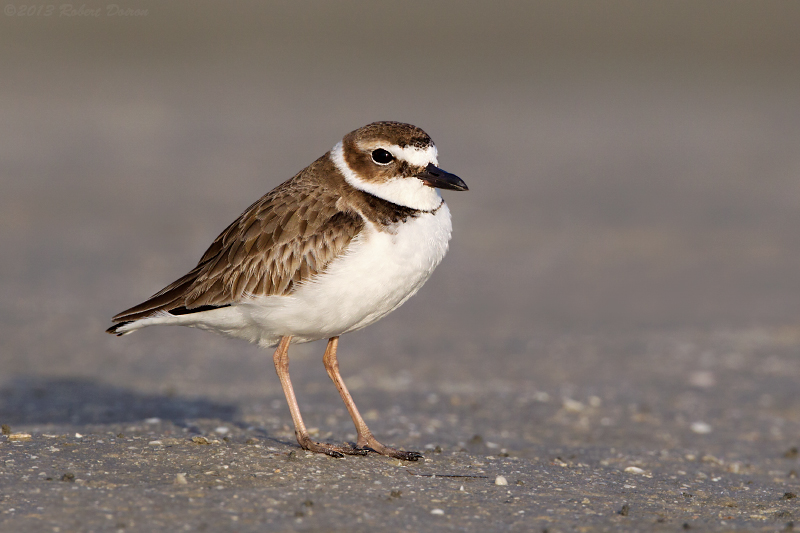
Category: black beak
[436,177]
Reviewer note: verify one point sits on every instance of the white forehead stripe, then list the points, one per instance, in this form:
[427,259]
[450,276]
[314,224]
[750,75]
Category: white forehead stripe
[419,157]
[408,192]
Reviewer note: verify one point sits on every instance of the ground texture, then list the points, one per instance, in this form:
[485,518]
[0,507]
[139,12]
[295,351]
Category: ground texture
[612,343]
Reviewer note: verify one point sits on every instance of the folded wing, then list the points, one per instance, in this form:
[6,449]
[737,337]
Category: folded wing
[287,237]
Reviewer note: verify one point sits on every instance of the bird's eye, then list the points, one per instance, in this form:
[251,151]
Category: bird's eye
[382,157]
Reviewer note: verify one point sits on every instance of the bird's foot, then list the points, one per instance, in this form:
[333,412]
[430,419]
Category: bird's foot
[330,449]
[372,445]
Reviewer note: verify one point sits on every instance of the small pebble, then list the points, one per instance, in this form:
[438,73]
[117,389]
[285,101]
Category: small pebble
[701,428]
[634,470]
[78,436]
[180,479]
[500,480]
[154,420]
[155,443]
[573,405]
[222,430]
[200,440]
[437,511]
[19,437]
[542,397]
[702,379]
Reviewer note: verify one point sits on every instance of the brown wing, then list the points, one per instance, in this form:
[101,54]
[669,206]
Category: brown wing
[289,236]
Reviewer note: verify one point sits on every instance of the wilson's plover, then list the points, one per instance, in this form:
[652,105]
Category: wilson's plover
[341,244]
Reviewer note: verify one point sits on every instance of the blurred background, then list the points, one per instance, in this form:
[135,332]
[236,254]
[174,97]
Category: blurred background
[633,170]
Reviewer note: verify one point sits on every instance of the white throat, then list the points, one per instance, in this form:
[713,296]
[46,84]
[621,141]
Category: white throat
[408,192]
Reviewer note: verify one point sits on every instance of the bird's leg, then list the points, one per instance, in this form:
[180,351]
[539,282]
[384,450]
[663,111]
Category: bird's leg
[281,359]
[366,441]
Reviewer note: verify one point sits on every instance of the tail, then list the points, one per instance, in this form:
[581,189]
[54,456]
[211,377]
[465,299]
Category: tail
[114,330]
[171,299]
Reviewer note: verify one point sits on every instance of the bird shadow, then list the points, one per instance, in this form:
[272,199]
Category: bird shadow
[78,401]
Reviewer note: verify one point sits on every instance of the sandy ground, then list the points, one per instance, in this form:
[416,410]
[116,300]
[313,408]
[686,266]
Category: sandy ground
[610,345]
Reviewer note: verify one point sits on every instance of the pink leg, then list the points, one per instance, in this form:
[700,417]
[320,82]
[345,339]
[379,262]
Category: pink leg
[281,359]
[366,441]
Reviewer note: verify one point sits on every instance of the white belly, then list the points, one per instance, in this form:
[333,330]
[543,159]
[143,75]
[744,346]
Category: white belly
[378,273]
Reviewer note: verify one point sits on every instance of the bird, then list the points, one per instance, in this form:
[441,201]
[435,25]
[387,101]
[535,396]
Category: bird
[335,248]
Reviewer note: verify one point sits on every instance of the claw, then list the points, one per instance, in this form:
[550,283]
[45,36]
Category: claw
[409,456]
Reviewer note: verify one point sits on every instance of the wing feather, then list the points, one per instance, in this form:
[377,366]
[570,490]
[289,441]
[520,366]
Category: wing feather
[278,243]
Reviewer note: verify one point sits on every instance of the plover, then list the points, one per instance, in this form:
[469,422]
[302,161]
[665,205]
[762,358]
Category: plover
[335,248]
